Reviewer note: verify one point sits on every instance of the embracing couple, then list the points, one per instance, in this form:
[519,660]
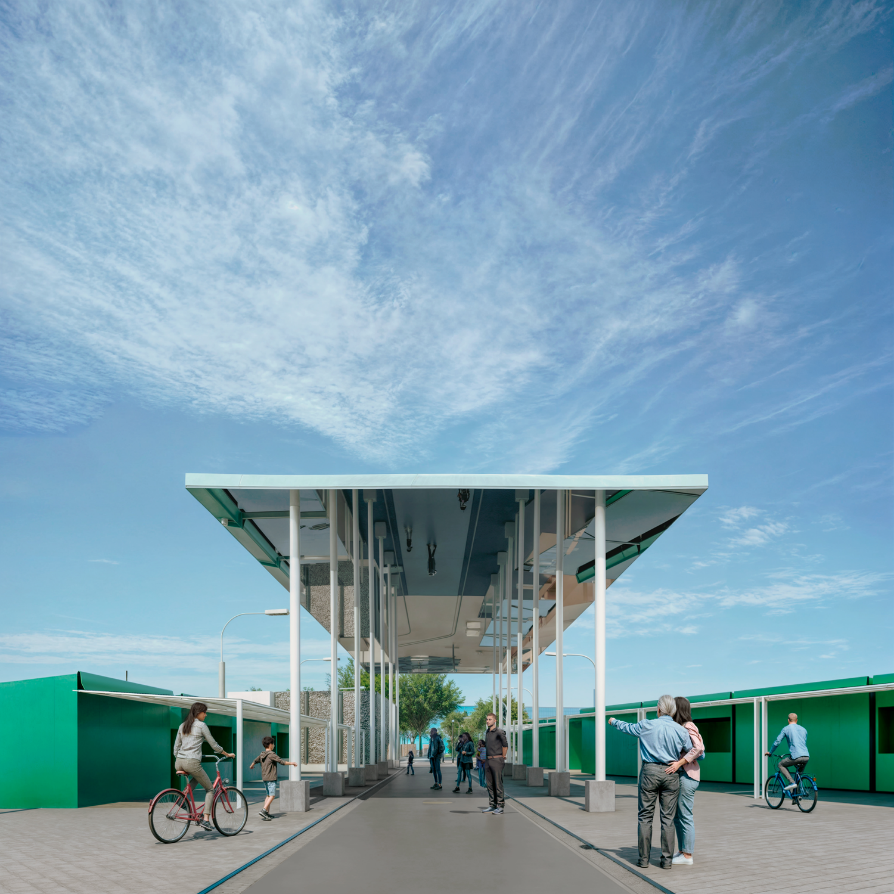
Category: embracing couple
[670,747]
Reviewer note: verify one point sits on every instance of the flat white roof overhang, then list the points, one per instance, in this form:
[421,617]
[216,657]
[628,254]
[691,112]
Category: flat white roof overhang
[445,621]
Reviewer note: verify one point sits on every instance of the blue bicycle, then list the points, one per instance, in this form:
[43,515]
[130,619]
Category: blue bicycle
[804,794]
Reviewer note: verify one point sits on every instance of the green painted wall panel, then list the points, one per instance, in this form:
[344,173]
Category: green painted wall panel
[718,763]
[109,684]
[745,743]
[837,737]
[48,706]
[620,749]
[884,763]
[124,750]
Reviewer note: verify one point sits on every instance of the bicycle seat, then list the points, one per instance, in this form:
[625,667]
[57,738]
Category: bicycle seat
[182,773]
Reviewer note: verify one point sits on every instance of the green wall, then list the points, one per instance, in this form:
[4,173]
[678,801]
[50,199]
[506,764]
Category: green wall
[39,718]
[744,743]
[621,749]
[884,739]
[715,725]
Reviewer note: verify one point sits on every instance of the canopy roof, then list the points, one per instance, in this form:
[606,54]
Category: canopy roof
[444,620]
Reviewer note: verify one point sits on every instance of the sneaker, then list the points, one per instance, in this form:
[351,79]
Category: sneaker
[643,865]
[204,824]
[435,785]
[266,818]
[498,810]
[681,859]
[791,788]
[456,789]
[489,810]
[468,791]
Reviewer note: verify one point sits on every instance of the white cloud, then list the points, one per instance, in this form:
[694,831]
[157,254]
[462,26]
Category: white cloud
[104,561]
[760,535]
[296,222]
[733,517]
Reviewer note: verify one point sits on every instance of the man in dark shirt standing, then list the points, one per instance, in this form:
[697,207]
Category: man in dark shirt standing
[497,745]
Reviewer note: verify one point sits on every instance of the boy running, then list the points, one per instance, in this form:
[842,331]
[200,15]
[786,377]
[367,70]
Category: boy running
[268,759]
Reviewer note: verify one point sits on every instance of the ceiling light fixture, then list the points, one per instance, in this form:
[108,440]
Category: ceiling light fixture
[432,571]
[409,531]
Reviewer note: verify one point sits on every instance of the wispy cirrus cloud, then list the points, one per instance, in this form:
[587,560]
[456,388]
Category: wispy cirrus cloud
[329,218]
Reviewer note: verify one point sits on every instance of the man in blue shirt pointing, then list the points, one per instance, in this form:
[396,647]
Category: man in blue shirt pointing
[797,746]
[661,742]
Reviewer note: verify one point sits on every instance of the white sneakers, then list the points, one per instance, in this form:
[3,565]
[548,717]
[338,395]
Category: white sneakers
[681,859]
[792,787]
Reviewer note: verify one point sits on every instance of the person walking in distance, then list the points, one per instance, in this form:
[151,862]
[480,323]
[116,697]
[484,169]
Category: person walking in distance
[797,746]
[661,741]
[435,753]
[686,766]
[465,757]
[482,763]
[496,746]
[410,770]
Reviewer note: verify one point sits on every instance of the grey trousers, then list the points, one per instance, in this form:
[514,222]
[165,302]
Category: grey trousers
[656,785]
[194,768]
[493,775]
[799,762]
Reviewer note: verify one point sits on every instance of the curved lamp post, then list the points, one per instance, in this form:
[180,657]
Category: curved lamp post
[222,672]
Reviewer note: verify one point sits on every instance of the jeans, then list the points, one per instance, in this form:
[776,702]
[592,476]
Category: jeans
[436,769]
[194,768]
[799,762]
[684,822]
[656,785]
[463,771]
[481,773]
[494,777]
[410,770]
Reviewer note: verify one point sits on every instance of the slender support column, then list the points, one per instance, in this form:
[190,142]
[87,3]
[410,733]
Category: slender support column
[509,529]
[757,749]
[333,631]
[294,635]
[240,758]
[495,589]
[383,726]
[355,555]
[535,639]
[560,614]
[222,679]
[764,741]
[520,540]
[370,498]
[390,698]
[501,561]
[599,624]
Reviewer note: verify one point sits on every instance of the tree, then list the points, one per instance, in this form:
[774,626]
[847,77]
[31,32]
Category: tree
[454,724]
[476,722]
[423,699]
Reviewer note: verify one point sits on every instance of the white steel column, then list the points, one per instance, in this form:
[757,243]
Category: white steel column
[535,642]
[560,613]
[501,561]
[294,635]
[757,749]
[239,741]
[764,742]
[355,554]
[390,616]
[599,625]
[519,665]
[372,626]
[495,585]
[510,584]
[383,726]
[333,631]
[640,715]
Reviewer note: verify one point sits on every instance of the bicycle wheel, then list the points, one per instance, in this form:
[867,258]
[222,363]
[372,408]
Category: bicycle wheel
[229,813]
[807,794]
[169,816]
[773,793]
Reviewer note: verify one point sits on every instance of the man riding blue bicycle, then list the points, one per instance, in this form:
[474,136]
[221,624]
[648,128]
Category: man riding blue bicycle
[797,746]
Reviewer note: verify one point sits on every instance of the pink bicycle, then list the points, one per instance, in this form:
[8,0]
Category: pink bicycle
[171,811]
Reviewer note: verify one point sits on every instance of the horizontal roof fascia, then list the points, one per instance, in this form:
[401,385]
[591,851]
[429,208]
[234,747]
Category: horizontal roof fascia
[371,482]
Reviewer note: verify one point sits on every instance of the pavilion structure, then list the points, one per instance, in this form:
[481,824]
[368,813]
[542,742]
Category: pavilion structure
[475,574]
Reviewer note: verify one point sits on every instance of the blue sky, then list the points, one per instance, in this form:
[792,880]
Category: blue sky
[503,237]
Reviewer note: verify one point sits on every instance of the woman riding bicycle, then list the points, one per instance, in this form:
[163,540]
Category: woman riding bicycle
[188,753]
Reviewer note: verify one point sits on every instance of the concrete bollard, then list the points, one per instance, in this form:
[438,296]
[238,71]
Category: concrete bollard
[507,770]
[383,769]
[356,777]
[534,777]
[559,784]
[294,796]
[372,773]
[599,797]
[333,785]
[519,771]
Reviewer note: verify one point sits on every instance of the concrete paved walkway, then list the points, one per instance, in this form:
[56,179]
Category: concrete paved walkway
[408,838]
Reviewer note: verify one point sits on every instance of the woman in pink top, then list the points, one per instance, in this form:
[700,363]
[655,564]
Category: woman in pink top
[687,768]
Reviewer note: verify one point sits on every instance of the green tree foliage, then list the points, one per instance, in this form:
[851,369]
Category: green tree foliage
[424,698]
[476,722]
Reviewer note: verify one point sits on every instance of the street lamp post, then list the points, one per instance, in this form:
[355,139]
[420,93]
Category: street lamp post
[222,671]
